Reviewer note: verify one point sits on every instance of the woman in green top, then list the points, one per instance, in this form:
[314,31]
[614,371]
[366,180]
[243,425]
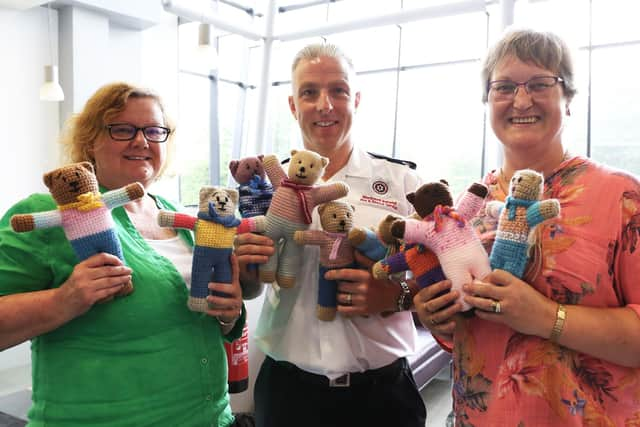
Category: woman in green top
[139,360]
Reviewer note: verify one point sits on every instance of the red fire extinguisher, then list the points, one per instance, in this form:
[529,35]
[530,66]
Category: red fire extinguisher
[238,362]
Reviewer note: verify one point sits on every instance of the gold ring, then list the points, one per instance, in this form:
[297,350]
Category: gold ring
[495,306]
[433,322]
[349,300]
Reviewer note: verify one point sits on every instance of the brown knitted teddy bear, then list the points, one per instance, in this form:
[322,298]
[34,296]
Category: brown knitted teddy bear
[335,251]
[83,213]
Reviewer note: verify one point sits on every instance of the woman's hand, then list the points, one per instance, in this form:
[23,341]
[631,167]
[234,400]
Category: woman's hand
[522,307]
[228,308]
[96,279]
[436,306]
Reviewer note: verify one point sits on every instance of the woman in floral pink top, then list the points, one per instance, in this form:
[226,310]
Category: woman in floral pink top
[562,346]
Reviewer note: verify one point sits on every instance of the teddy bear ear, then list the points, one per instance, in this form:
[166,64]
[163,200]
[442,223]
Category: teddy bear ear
[47,178]
[411,197]
[444,181]
[324,161]
[261,157]
[233,195]
[321,208]
[87,165]
[233,166]
[294,152]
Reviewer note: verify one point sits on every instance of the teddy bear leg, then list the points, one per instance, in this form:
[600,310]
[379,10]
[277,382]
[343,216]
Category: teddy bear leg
[285,282]
[327,297]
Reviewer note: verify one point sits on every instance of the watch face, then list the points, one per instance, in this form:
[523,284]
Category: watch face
[404,301]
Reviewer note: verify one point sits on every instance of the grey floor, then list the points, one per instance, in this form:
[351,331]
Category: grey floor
[437,399]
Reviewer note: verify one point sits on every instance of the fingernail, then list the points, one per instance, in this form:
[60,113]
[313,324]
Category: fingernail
[477,282]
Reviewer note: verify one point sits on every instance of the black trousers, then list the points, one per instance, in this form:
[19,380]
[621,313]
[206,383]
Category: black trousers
[286,396]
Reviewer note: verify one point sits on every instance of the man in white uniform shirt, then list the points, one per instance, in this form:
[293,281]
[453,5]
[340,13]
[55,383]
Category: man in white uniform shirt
[351,371]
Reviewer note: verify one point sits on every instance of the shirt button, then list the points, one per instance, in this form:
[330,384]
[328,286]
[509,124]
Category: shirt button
[208,397]
[204,360]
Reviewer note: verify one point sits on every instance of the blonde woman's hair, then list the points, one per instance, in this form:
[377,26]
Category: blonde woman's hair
[543,49]
[83,129]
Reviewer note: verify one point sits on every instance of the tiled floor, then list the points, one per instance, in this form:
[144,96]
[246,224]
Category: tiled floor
[437,399]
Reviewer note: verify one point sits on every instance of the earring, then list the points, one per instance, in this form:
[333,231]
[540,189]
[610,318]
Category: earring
[568,111]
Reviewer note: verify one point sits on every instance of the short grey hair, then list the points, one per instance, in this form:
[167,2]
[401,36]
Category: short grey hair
[544,49]
[317,50]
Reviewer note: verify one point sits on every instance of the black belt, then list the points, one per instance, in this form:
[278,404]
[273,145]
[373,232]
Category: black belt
[384,375]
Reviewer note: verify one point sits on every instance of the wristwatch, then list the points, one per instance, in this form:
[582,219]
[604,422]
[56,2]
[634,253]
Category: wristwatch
[404,300]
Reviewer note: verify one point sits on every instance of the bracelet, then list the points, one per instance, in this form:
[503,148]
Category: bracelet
[231,323]
[404,300]
[561,316]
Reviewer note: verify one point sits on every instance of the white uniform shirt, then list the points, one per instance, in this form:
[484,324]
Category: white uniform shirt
[288,328]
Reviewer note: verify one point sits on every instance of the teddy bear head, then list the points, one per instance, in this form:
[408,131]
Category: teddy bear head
[526,184]
[336,217]
[245,169]
[222,201]
[306,167]
[384,229]
[70,181]
[429,195]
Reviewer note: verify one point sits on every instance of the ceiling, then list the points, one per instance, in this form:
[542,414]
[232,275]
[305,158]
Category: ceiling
[20,4]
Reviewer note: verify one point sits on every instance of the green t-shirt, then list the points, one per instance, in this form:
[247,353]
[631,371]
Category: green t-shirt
[141,360]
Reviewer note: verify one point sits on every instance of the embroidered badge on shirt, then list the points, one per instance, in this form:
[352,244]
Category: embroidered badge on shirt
[380,187]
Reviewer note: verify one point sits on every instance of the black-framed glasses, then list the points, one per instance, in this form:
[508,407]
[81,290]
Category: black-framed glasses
[127,132]
[537,87]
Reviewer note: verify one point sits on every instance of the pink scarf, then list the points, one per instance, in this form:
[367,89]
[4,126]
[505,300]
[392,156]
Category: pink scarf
[441,211]
[300,189]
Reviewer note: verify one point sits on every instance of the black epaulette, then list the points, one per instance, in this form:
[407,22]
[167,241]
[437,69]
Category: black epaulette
[409,163]
[285,161]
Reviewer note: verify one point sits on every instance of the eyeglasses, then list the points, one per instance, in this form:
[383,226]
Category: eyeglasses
[127,132]
[537,87]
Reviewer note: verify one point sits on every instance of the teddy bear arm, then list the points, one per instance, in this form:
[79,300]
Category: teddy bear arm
[328,192]
[122,196]
[469,205]
[34,221]
[254,224]
[398,228]
[309,237]
[541,211]
[493,208]
[23,222]
[176,220]
[274,170]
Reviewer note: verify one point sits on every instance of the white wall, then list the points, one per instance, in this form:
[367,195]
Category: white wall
[99,50]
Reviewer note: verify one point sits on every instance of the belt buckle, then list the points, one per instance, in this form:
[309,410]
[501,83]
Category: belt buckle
[341,381]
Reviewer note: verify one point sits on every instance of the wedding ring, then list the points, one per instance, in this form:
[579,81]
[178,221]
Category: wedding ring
[349,300]
[495,306]
[433,322]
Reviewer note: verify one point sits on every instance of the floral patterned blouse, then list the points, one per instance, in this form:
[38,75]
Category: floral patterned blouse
[590,256]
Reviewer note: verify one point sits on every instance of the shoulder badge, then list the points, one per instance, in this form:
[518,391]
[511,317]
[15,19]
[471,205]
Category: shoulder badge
[409,163]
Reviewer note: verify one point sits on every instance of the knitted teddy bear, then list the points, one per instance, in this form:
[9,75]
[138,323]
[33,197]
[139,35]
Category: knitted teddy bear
[255,191]
[214,228]
[295,196]
[446,231]
[522,210]
[336,251]
[83,213]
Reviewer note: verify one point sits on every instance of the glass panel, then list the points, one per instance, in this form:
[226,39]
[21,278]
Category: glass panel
[574,135]
[381,47]
[373,126]
[615,91]
[615,21]
[440,40]
[440,123]
[192,143]
[567,18]
[228,115]
[284,130]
